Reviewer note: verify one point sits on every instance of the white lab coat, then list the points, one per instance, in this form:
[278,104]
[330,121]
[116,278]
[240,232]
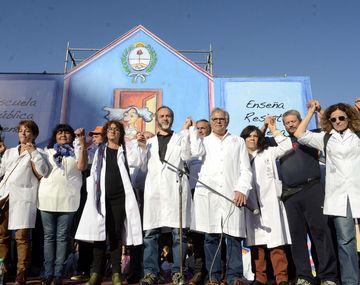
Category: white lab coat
[161,194]
[226,168]
[342,179]
[60,191]
[271,227]
[21,184]
[92,223]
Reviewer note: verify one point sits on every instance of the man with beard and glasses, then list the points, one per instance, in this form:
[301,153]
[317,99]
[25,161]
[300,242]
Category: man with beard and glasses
[161,194]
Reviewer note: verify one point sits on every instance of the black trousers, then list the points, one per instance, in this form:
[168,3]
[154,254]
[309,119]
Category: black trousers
[305,216]
[115,217]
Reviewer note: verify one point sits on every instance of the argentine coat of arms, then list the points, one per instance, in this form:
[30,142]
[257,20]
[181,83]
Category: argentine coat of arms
[138,61]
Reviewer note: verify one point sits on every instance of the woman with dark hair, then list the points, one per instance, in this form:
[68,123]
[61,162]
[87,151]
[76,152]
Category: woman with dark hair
[268,231]
[111,209]
[59,197]
[21,168]
[341,124]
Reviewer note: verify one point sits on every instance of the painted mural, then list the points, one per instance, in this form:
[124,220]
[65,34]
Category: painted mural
[138,72]
[129,79]
[135,74]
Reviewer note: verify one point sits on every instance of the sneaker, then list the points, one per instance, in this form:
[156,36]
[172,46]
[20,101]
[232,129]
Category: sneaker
[177,278]
[301,281]
[81,278]
[197,279]
[149,279]
[328,282]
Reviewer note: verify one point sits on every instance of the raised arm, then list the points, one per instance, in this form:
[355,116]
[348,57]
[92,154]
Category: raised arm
[191,143]
[284,144]
[82,159]
[313,105]
[196,143]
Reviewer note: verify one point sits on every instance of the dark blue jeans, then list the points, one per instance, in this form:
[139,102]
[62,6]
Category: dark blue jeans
[346,239]
[234,265]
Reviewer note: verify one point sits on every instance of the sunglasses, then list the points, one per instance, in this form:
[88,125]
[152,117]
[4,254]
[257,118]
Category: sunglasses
[341,119]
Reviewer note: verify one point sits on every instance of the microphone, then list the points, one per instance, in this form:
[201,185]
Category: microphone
[253,211]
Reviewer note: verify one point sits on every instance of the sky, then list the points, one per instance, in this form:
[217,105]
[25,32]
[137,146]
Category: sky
[249,38]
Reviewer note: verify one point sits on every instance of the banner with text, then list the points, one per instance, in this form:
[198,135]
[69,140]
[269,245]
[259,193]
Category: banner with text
[249,101]
[29,97]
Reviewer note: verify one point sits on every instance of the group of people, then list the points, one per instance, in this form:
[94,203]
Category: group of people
[201,183]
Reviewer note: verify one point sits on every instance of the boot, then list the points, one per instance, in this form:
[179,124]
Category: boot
[116,279]
[20,278]
[95,279]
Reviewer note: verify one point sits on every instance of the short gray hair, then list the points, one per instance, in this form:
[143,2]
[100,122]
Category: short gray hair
[227,117]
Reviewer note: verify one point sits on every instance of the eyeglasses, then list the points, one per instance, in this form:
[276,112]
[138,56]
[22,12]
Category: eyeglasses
[113,130]
[341,119]
[218,119]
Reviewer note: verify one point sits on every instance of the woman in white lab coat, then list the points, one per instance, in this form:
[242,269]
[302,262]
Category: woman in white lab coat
[268,231]
[342,196]
[111,210]
[21,168]
[59,197]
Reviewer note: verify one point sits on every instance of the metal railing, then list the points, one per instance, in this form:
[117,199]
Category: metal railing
[74,56]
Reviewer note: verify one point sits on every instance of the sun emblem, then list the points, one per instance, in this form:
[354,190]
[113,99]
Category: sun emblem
[138,60]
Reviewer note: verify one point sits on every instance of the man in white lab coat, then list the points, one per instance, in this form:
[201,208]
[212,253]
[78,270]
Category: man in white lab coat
[226,169]
[161,194]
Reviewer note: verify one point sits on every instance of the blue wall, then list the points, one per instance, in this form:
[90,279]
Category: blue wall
[184,88]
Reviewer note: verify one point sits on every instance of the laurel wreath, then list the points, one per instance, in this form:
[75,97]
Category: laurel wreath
[125,63]
[153,58]
[124,60]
